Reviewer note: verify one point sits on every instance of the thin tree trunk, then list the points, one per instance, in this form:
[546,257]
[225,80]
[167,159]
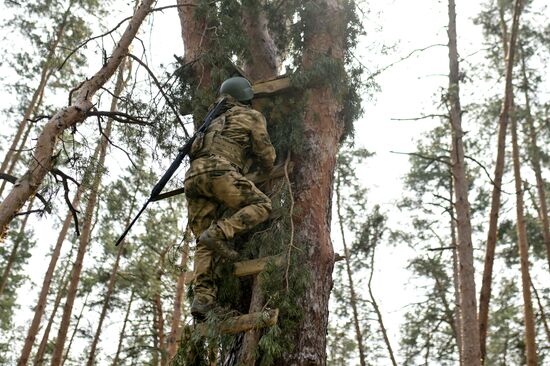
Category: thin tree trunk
[14,251]
[23,142]
[313,176]
[43,296]
[67,117]
[535,161]
[377,309]
[39,357]
[44,76]
[485,295]
[469,330]
[159,317]
[123,330]
[175,329]
[542,313]
[358,333]
[75,330]
[529,318]
[457,320]
[119,86]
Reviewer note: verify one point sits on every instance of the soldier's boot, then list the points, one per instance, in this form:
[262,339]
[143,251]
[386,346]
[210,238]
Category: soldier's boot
[201,305]
[218,246]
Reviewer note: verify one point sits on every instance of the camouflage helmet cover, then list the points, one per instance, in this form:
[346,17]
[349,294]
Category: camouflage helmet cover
[238,87]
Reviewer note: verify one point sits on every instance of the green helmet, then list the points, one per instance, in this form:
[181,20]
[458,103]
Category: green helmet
[238,87]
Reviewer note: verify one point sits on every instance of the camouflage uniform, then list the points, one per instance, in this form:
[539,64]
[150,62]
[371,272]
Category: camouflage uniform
[215,182]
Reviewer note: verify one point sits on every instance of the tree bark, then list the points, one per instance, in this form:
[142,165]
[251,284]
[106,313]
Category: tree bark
[535,161]
[469,330]
[196,40]
[457,320]
[313,178]
[119,86]
[485,295]
[175,329]
[529,317]
[123,330]
[43,160]
[357,325]
[14,251]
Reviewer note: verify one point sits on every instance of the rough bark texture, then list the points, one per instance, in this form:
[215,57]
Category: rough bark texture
[263,63]
[351,285]
[43,160]
[485,294]
[535,161]
[196,40]
[313,178]
[175,329]
[529,317]
[469,331]
[119,86]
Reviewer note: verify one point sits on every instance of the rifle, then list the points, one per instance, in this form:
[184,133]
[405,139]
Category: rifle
[183,152]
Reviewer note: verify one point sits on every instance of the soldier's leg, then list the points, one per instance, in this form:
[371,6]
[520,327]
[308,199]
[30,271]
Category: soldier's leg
[202,212]
[237,192]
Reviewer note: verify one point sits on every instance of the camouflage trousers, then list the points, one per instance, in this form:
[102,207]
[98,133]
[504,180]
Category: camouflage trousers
[208,195]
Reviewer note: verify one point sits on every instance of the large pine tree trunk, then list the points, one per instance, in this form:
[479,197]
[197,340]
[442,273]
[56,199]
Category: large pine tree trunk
[469,331]
[485,295]
[313,177]
[119,86]
[535,161]
[529,318]
[43,160]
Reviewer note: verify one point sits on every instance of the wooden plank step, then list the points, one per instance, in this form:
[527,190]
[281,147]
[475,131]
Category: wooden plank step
[270,87]
[246,268]
[244,323]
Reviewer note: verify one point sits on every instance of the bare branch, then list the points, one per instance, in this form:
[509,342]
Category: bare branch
[428,116]
[113,144]
[13,180]
[64,179]
[120,117]
[157,83]
[440,158]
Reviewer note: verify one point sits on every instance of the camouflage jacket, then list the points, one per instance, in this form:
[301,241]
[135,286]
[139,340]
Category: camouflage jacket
[242,130]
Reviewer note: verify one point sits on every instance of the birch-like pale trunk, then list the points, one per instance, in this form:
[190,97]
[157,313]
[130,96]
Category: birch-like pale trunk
[67,117]
[469,331]
[528,314]
[485,295]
